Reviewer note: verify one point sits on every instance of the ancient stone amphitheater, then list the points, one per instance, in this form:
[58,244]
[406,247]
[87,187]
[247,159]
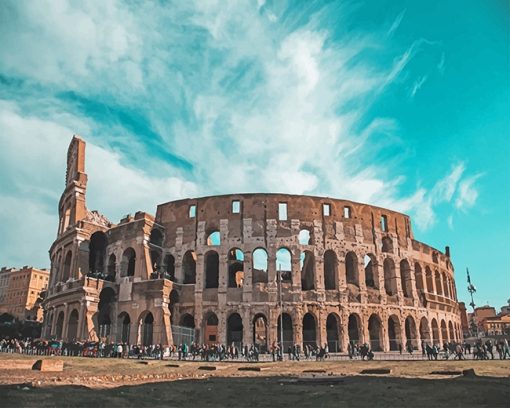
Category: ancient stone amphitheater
[236,268]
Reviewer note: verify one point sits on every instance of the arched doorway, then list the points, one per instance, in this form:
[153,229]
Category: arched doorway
[354,328]
[309,330]
[405,279]
[288,334]
[371,278]
[451,332]
[410,329]
[211,329]
[234,329]
[435,332]
[351,269]
[189,267]
[390,283]
[212,269]
[425,331]
[60,326]
[260,263]
[444,332]
[333,333]
[307,270]
[330,270]
[67,266]
[394,333]
[187,320]
[172,301]
[106,299]
[72,327]
[260,332]
[147,329]
[123,327]
[375,332]
[235,268]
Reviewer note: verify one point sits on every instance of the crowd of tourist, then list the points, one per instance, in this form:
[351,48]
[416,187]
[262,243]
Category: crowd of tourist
[480,350]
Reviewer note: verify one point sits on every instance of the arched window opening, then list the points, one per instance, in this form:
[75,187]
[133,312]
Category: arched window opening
[259,270]
[375,332]
[451,332]
[172,301]
[430,283]
[128,262]
[387,244]
[307,270]
[97,252]
[288,334]
[435,332]
[394,333]
[147,329]
[405,279]
[260,332]
[187,320]
[309,330]
[425,331]
[411,338]
[333,333]
[60,326]
[67,266]
[189,267]
[235,268]
[371,278]
[446,289]
[304,237]
[330,270]
[156,237]
[212,269]
[235,330]
[169,267]
[112,260]
[419,277]
[439,289]
[156,263]
[389,277]
[214,238]
[351,269]
[283,264]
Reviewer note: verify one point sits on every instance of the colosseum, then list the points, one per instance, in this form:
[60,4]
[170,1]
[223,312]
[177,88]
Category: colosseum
[246,268]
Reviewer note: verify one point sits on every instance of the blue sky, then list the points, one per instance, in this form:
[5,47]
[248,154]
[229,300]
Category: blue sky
[402,104]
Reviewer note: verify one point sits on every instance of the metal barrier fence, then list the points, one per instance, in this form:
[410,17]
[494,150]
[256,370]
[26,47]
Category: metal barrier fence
[183,335]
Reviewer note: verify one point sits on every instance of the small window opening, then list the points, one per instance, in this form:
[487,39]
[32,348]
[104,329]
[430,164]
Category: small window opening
[347,212]
[384,223]
[326,210]
[282,211]
[236,207]
[192,211]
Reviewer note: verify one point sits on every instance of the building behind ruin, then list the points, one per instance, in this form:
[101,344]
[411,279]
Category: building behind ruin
[349,272]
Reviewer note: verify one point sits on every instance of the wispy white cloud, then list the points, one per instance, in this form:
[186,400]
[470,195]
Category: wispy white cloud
[396,23]
[417,85]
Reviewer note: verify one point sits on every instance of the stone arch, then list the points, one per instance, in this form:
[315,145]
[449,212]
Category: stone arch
[305,236]
[189,267]
[173,299]
[72,326]
[156,237]
[212,269]
[371,275]
[288,332]
[351,269]
[390,279]
[155,256]
[187,320]
[127,266]
[425,330]
[394,333]
[309,330]
[211,328]
[405,278]
[284,263]
[235,268]
[169,267]
[435,332]
[354,328]
[451,332]
[260,332]
[307,270]
[330,270]
[235,329]
[444,331]
[147,328]
[439,289]
[446,289]
[214,238]
[419,278]
[411,334]
[333,334]
[260,264]
[123,327]
[67,266]
[104,312]
[59,329]
[375,332]
[387,244]
[97,252]
[112,266]
[429,278]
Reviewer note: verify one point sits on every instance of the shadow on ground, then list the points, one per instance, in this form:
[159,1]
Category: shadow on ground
[355,391]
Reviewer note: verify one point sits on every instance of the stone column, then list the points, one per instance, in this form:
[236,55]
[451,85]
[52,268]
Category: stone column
[296,270]
[344,323]
[247,326]
[79,333]
[222,327]
[322,334]
[65,325]
[223,271]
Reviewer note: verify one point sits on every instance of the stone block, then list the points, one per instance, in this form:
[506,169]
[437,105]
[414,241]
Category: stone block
[49,365]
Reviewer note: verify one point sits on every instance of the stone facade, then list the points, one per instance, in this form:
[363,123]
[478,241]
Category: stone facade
[228,266]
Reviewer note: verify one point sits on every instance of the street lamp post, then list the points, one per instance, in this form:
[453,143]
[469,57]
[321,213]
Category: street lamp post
[280,290]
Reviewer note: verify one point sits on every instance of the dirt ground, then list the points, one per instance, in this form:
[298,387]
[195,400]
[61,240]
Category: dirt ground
[89,382]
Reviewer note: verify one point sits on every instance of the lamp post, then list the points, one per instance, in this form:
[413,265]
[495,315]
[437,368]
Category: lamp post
[472,289]
[280,290]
